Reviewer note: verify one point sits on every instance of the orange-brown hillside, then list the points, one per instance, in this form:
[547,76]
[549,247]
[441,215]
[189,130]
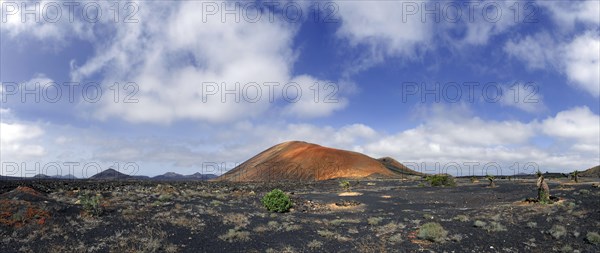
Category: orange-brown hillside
[297,160]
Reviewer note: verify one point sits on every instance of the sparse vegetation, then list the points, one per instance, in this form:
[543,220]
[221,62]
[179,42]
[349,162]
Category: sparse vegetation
[440,180]
[456,238]
[566,249]
[315,245]
[326,233]
[479,224]
[91,203]
[495,226]
[374,220]
[584,191]
[338,222]
[237,219]
[389,228]
[492,226]
[461,217]
[227,217]
[332,235]
[492,180]
[575,176]
[557,231]
[593,238]
[345,184]
[277,201]
[432,231]
[234,235]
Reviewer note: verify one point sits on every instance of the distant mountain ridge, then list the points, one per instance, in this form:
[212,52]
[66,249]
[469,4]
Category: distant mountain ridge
[42,176]
[112,174]
[177,176]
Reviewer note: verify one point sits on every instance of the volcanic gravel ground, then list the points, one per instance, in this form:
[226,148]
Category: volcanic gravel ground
[370,216]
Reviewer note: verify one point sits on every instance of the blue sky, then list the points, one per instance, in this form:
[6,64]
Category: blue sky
[372,62]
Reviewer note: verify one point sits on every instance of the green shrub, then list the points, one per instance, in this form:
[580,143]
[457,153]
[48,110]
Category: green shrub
[461,217]
[374,220]
[544,197]
[345,185]
[492,180]
[432,231]
[566,249]
[495,227]
[593,238]
[91,203]
[277,201]
[479,224]
[575,176]
[440,180]
[558,231]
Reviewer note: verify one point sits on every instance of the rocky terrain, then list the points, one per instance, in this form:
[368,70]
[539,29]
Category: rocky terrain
[377,215]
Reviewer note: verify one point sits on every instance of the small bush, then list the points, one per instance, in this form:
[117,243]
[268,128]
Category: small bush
[461,217]
[91,203]
[544,197]
[593,238]
[492,180]
[277,201]
[326,233]
[584,191]
[440,180]
[479,224]
[345,185]
[374,220]
[531,224]
[495,227]
[432,231]
[492,226]
[557,231]
[234,235]
[314,245]
[566,249]
[575,176]
[338,222]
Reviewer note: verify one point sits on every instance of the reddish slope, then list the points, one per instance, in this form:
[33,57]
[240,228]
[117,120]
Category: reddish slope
[305,161]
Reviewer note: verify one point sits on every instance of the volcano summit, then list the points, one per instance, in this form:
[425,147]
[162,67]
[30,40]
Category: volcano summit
[296,160]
